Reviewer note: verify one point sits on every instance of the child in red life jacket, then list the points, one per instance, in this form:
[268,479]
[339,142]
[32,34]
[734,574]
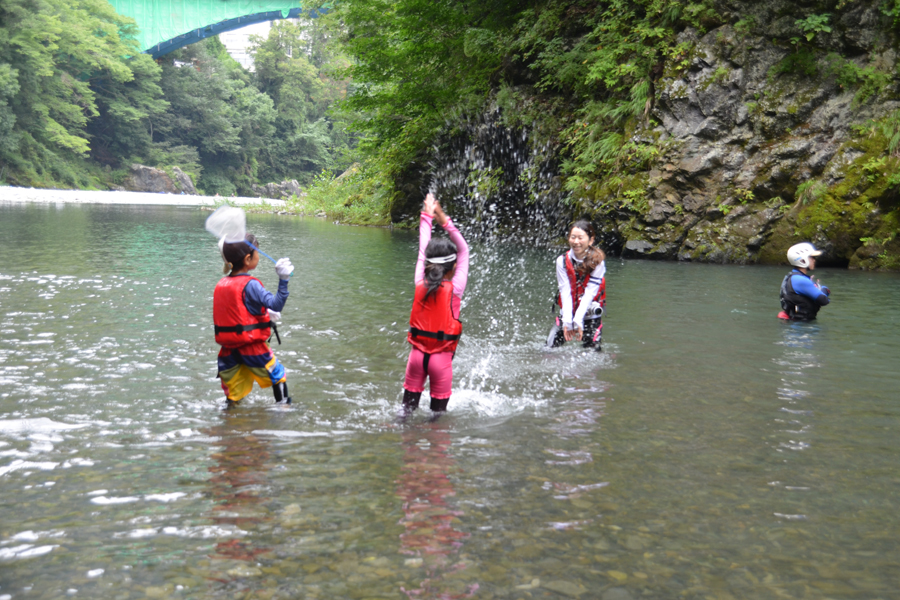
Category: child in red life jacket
[242,313]
[581,275]
[442,271]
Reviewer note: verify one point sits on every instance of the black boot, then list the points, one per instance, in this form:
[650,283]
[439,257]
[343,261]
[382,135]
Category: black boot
[281,393]
[410,403]
[438,407]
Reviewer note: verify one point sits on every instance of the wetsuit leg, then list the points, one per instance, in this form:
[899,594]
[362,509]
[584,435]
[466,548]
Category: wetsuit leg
[556,337]
[281,392]
[411,400]
[410,404]
[592,334]
[414,383]
[439,404]
[440,375]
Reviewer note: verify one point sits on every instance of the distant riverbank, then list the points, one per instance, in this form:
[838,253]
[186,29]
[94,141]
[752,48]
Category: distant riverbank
[22,195]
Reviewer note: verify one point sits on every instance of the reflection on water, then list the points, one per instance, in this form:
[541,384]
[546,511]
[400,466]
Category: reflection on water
[431,523]
[238,485]
[711,451]
[578,424]
[794,425]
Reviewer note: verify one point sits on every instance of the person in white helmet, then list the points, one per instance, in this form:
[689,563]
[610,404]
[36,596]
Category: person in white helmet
[801,297]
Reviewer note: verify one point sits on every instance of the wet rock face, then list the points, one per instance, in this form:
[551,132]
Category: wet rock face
[739,136]
[737,129]
[183,182]
[278,191]
[494,180]
[142,178]
[149,179]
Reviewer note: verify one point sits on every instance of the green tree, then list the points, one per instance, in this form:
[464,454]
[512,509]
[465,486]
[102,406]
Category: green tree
[308,138]
[416,63]
[9,86]
[217,111]
[67,62]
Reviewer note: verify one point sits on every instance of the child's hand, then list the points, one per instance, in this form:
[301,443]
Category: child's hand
[274,315]
[440,215]
[429,206]
[284,268]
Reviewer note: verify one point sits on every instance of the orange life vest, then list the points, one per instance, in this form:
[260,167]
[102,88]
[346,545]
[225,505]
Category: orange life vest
[234,324]
[578,283]
[432,326]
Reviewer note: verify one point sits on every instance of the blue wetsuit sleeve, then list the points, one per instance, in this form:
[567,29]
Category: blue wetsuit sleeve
[257,298]
[805,287]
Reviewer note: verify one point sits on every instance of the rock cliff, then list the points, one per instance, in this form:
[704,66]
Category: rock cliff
[762,132]
[742,141]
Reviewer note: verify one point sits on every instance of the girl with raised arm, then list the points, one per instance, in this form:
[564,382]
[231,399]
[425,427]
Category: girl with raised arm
[442,270]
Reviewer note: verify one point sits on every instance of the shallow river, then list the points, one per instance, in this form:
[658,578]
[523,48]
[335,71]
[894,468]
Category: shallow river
[710,451]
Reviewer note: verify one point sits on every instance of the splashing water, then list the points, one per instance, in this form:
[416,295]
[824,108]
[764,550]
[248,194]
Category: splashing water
[499,182]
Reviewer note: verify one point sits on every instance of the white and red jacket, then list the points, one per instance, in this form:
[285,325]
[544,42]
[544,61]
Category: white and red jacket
[576,290]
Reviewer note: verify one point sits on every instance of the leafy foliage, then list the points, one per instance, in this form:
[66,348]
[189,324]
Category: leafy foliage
[298,77]
[63,63]
[214,110]
[810,191]
[360,195]
[76,92]
[814,24]
[417,61]
[593,63]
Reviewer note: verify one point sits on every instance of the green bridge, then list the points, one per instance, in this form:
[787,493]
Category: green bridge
[167,25]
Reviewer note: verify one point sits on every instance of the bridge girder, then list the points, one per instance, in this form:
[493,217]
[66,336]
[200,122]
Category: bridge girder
[166,25]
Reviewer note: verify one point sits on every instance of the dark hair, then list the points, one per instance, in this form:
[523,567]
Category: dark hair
[593,256]
[434,272]
[235,253]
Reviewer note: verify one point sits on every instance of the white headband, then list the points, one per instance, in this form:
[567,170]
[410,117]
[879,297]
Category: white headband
[441,260]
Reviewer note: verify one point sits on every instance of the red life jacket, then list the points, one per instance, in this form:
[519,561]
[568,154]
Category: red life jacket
[578,283]
[432,326]
[234,324]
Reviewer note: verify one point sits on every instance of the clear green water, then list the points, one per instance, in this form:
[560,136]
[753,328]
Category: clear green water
[710,451]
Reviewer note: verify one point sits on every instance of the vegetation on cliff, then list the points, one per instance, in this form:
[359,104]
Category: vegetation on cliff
[717,131]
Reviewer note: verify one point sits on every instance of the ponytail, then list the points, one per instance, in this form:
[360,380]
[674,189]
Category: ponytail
[592,259]
[440,259]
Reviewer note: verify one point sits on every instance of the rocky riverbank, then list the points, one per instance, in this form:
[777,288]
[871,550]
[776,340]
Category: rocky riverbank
[24,195]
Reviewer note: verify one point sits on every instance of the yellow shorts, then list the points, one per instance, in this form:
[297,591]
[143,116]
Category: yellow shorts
[237,382]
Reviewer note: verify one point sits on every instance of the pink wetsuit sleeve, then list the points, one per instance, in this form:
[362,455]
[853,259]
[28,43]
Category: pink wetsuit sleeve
[424,238]
[461,276]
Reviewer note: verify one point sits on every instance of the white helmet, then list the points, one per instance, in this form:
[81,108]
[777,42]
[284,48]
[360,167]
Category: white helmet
[798,254]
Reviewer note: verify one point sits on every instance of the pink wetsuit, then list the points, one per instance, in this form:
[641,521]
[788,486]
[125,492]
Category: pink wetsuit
[438,366]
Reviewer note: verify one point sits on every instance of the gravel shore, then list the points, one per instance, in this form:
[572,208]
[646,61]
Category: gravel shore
[22,195]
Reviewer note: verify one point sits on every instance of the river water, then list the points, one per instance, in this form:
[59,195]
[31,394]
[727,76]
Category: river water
[710,451]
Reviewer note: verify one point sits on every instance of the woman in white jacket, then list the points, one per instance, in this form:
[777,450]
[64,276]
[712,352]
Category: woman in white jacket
[581,275]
